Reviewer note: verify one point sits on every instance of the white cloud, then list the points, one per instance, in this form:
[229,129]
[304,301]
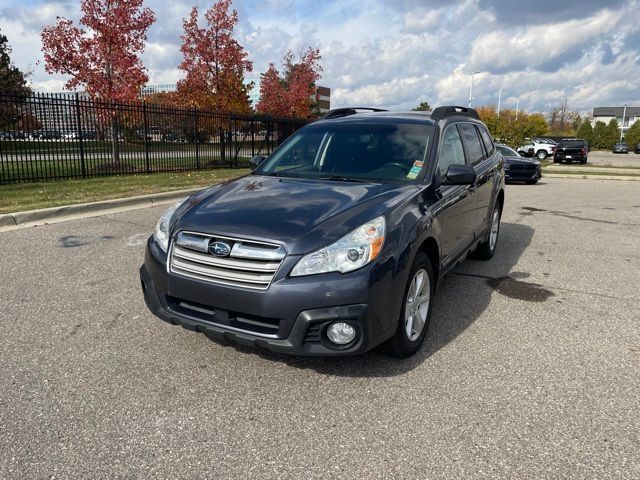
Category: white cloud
[396,53]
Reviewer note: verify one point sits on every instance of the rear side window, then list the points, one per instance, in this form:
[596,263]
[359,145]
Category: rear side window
[475,153]
[451,151]
[486,139]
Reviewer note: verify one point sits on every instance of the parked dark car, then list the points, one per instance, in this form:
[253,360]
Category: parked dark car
[335,243]
[518,168]
[172,137]
[637,149]
[620,147]
[571,150]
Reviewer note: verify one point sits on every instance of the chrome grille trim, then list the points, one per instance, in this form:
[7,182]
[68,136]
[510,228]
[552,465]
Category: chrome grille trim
[251,264]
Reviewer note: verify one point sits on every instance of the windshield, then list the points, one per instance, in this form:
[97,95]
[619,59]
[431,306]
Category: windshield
[507,151]
[377,152]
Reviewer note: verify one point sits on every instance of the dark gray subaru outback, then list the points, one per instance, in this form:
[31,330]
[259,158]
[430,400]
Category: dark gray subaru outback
[336,242]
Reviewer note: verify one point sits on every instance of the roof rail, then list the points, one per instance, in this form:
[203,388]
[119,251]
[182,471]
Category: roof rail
[344,112]
[444,112]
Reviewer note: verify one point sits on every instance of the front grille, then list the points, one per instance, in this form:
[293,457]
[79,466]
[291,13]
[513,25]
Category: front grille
[248,264]
[523,168]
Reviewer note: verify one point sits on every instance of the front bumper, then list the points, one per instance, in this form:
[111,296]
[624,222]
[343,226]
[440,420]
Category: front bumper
[522,175]
[291,316]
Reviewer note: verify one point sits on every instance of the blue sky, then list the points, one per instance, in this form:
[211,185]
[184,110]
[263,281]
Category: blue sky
[397,53]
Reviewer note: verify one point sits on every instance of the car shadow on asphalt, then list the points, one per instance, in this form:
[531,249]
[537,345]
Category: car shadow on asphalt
[462,297]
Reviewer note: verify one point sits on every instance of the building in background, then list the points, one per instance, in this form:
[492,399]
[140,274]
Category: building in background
[324,99]
[159,88]
[606,114]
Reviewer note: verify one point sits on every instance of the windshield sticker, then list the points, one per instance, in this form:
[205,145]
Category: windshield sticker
[415,170]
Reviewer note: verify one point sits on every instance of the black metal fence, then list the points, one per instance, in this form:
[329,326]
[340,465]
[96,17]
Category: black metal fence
[48,137]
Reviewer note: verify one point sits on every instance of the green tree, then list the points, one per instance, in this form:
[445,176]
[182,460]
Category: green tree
[585,132]
[612,133]
[12,82]
[633,134]
[600,136]
[423,107]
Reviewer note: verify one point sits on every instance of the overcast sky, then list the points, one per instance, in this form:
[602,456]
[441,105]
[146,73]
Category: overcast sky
[397,53]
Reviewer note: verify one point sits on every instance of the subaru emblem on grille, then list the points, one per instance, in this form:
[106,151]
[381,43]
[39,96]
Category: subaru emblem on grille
[219,249]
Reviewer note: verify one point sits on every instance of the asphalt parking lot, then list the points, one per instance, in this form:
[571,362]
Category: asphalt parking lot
[600,158]
[531,368]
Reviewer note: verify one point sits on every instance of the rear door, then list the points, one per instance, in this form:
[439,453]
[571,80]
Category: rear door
[481,158]
[454,210]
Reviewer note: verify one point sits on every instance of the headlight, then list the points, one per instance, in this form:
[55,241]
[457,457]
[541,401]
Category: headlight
[351,252]
[161,233]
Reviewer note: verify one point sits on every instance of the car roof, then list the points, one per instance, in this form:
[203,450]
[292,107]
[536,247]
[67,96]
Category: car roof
[381,118]
[384,117]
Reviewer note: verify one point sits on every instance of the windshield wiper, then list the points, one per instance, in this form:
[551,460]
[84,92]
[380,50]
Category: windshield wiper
[343,178]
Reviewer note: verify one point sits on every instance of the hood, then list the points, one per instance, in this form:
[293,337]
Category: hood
[302,214]
[520,161]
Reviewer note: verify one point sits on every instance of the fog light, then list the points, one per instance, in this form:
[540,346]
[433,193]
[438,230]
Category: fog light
[341,333]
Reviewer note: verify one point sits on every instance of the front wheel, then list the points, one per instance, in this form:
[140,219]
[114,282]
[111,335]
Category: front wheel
[541,155]
[416,311]
[487,248]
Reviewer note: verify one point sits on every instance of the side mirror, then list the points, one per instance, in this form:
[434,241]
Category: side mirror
[460,175]
[255,161]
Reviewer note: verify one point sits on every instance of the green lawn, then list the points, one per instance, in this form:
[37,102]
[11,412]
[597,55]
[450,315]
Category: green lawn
[30,196]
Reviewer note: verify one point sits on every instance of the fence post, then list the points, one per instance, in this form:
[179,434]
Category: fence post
[195,125]
[80,135]
[222,148]
[146,136]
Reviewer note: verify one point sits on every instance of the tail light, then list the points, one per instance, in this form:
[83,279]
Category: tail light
[584,150]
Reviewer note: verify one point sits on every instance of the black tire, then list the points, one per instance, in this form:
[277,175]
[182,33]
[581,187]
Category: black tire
[486,250]
[557,160]
[583,161]
[541,155]
[400,344]
[531,182]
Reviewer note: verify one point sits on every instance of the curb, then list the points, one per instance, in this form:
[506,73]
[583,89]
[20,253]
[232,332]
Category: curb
[59,213]
[588,176]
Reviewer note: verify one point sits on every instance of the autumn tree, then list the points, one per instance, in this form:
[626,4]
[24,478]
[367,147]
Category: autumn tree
[510,129]
[102,55]
[563,121]
[12,82]
[214,61]
[423,107]
[292,93]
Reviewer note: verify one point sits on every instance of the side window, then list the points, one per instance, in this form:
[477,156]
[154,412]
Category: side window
[486,138]
[451,151]
[471,143]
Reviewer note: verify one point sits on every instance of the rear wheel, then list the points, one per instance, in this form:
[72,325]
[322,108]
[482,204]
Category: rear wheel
[541,154]
[487,248]
[416,311]
[557,160]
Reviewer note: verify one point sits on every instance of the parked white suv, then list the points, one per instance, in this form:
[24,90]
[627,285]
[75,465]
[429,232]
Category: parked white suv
[542,148]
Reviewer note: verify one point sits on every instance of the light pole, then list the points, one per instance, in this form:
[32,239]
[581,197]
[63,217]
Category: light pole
[471,88]
[624,114]
[499,100]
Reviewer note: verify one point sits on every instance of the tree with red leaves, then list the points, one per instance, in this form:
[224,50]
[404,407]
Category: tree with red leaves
[214,61]
[294,93]
[103,54]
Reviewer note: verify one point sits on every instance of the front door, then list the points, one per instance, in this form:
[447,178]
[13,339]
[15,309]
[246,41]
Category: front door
[455,209]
